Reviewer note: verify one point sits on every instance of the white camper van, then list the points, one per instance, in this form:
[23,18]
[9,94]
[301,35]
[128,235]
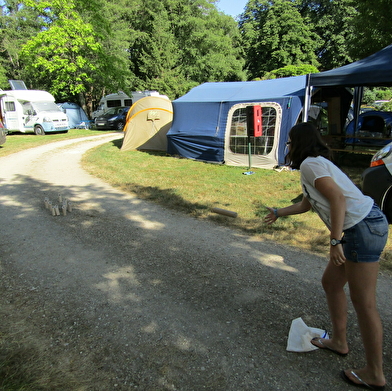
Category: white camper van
[121,99]
[31,111]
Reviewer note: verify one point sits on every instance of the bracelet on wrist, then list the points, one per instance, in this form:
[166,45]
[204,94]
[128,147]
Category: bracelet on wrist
[275,212]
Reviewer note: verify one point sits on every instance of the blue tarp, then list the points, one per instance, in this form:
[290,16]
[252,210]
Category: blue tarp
[77,118]
[200,116]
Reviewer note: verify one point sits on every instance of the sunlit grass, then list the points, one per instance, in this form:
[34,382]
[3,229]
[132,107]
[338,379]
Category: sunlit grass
[20,141]
[194,187]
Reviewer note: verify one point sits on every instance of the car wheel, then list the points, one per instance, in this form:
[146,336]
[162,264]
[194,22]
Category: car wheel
[120,125]
[39,130]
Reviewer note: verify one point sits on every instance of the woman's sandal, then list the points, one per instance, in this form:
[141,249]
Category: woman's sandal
[361,384]
[323,346]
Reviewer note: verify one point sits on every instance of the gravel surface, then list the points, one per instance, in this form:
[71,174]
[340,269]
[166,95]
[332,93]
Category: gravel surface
[126,295]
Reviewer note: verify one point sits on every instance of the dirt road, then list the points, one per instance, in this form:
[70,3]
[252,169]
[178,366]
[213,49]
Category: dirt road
[121,294]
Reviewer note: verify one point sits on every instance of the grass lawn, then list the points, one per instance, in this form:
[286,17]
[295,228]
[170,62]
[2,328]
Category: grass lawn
[194,188]
[19,141]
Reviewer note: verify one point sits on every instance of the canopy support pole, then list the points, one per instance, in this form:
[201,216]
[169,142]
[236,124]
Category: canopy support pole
[250,152]
[306,100]
[358,94]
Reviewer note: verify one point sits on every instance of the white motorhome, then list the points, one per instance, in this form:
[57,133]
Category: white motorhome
[31,111]
[121,99]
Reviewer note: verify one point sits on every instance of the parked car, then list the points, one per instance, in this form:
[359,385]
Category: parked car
[113,118]
[373,126]
[377,180]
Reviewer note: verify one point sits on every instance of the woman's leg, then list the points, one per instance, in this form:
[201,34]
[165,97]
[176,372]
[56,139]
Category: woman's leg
[334,279]
[362,280]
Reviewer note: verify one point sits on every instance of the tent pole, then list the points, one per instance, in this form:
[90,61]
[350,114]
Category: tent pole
[250,153]
[358,94]
[307,99]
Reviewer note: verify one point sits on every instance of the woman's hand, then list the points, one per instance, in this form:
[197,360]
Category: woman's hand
[271,216]
[336,255]
[300,207]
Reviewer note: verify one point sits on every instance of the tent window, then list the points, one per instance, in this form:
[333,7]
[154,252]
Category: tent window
[239,137]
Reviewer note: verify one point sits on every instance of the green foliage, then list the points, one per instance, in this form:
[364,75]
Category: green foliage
[275,35]
[386,106]
[179,44]
[370,95]
[68,57]
[291,70]
[18,24]
[3,78]
[63,54]
[153,54]
[373,27]
[384,93]
[333,23]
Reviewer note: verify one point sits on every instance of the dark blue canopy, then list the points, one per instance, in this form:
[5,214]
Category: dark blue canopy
[375,70]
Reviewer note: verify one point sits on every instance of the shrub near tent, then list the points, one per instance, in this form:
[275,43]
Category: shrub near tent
[148,121]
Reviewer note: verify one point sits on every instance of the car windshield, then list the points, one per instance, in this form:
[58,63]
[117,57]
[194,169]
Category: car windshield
[45,106]
[113,111]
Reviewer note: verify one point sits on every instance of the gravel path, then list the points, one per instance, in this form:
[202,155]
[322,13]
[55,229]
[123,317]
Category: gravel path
[124,295]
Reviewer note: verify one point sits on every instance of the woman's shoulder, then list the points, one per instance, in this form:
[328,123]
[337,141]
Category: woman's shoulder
[316,167]
[315,160]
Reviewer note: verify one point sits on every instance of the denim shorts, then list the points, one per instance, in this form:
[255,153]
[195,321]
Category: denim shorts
[365,241]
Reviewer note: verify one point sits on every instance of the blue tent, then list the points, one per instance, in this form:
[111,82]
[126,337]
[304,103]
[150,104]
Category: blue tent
[210,121]
[77,118]
[373,128]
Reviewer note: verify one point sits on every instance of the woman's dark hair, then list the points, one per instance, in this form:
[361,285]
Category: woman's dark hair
[305,141]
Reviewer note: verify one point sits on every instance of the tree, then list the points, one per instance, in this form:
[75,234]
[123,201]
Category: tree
[153,52]
[275,35]
[373,29]
[333,21]
[17,24]
[179,44]
[291,70]
[210,42]
[80,50]
[3,78]
[67,57]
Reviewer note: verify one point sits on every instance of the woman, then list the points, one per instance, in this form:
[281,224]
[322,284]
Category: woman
[358,234]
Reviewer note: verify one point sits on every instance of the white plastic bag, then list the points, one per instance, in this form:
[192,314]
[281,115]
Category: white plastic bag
[300,336]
